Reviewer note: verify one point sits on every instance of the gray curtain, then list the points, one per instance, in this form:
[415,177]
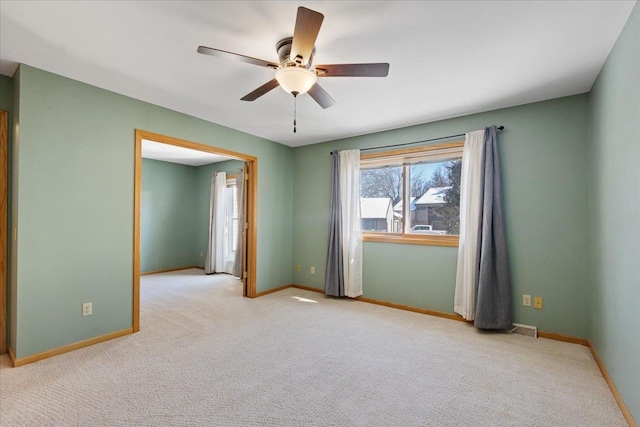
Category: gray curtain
[210,262]
[493,306]
[334,275]
[237,266]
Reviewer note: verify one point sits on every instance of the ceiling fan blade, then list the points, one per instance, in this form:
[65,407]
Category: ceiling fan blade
[306,31]
[260,91]
[321,96]
[353,70]
[236,57]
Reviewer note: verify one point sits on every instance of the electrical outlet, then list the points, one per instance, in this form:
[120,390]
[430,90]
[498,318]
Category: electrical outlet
[537,303]
[313,270]
[526,300]
[297,268]
[201,254]
[87,309]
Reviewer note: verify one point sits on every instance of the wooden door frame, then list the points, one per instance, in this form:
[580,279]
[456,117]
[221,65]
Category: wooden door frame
[251,162]
[4,117]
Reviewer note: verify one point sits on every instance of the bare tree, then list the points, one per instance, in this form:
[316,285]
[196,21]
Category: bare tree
[439,178]
[382,182]
[387,182]
[451,208]
[420,183]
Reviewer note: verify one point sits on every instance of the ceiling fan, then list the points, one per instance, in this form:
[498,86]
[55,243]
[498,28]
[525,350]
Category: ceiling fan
[294,73]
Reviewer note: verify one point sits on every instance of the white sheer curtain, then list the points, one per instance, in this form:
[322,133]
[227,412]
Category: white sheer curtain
[471,183]
[351,222]
[240,184]
[215,260]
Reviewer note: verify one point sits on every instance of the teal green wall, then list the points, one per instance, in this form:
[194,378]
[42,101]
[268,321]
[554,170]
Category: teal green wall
[614,213]
[75,211]
[203,194]
[167,226]
[544,160]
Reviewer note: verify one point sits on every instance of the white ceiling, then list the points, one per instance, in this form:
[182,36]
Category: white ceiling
[447,58]
[185,156]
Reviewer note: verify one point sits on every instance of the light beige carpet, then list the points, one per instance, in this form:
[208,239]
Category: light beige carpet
[207,356]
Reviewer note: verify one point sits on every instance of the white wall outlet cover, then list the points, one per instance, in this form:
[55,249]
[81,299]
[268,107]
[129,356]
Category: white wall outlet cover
[87,309]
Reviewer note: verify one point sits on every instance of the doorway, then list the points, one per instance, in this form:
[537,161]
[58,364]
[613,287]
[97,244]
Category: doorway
[249,247]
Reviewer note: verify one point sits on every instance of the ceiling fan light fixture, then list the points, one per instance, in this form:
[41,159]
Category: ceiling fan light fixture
[296,79]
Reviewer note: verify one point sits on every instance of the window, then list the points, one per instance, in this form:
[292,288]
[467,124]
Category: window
[231,221]
[412,195]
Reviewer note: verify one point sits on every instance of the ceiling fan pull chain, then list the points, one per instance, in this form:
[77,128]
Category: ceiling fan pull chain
[295,97]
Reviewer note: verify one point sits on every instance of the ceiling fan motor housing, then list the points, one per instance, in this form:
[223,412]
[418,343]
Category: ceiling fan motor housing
[283,47]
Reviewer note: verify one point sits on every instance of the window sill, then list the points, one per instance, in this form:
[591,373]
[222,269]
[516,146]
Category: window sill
[411,239]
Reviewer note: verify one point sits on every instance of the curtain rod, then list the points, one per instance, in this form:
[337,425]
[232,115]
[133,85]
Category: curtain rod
[418,142]
[229,172]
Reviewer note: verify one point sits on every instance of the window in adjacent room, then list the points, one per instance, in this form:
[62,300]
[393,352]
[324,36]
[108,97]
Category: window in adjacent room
[412,195]
[231,224]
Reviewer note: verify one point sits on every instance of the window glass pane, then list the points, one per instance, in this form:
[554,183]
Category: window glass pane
[435,198]
[227,248]
[381,199]
[234,220]
[231,227]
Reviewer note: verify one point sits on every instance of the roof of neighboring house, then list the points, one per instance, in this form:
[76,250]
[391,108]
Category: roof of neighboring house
[433,196]
[412,205]
[374,207]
